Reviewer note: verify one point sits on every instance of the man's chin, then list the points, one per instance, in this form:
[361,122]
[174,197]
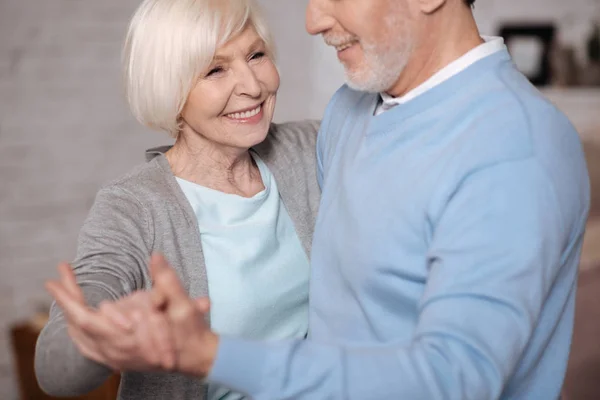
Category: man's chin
[355,79]
[371,81]
[362,85]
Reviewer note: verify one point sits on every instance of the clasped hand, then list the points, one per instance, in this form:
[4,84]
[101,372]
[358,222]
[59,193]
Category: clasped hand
[157,330]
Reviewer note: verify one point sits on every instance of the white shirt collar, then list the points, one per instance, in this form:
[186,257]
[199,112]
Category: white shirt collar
[492,45]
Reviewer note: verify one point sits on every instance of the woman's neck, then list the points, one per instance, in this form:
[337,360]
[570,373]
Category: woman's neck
[218,167]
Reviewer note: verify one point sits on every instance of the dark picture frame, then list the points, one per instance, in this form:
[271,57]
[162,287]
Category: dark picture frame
[545,34]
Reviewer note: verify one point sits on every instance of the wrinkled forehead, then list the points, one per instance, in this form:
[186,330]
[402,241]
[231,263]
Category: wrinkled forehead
[246,40]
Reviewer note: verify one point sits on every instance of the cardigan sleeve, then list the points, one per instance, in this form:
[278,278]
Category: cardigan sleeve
[112,253]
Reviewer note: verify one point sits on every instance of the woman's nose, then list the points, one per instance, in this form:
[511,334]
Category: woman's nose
[248,83]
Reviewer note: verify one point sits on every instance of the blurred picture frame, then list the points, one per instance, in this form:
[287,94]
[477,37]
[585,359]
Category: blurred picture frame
[530,46]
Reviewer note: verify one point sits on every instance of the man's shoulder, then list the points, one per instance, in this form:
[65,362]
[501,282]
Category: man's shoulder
[510,122]
[347,98]
[347,106]
[514,100]
[509,117]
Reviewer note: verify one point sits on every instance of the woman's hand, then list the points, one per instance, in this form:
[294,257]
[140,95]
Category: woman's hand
[195,344]
[128,334]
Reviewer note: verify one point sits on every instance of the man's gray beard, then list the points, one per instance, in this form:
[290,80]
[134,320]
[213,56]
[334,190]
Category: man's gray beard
[379,72]
[384,63]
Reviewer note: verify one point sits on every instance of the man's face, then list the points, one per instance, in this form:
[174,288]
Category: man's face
[373,38]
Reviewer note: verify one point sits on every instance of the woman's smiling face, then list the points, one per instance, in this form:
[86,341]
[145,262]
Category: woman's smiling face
[233,102]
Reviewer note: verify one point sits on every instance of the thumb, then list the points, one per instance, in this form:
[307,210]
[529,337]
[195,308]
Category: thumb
[158,264]
[166,288]
[67,278]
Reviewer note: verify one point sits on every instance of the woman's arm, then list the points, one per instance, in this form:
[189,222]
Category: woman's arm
[113,250]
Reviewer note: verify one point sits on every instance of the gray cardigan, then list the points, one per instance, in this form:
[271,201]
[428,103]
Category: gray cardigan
[146,211]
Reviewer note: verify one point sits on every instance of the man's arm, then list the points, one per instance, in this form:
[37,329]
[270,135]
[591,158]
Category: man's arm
[494,256]
[110,256]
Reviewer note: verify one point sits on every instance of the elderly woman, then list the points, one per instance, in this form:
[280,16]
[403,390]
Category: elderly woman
[231,205]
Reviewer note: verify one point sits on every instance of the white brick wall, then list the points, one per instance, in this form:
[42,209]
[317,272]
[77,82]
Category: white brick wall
[64,127]
[64,130]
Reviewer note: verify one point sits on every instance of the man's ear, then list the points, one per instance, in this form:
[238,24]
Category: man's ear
[430,6]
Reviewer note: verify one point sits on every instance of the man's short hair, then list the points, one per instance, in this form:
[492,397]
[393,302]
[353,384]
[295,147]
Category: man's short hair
[170,43]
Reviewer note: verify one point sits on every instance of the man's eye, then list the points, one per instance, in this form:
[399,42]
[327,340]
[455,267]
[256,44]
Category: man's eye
[214,71]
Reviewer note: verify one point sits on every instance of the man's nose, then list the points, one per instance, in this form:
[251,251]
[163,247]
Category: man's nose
[318,16]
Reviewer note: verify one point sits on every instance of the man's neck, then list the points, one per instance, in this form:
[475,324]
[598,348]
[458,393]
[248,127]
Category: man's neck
[447,38]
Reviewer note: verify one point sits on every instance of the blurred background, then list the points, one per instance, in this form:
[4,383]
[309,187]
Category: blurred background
[65,130]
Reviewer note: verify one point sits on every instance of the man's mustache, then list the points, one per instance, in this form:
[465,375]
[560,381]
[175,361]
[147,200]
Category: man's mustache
[338,40]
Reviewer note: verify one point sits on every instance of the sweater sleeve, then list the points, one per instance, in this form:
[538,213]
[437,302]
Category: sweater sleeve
[496,252]
[112,253]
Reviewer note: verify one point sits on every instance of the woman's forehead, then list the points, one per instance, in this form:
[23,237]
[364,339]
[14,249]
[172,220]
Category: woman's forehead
[243,41]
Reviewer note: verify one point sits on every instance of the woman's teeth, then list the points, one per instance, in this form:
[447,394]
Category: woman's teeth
[245,115]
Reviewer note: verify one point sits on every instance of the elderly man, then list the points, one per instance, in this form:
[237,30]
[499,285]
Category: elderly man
[454,202]
[445,254]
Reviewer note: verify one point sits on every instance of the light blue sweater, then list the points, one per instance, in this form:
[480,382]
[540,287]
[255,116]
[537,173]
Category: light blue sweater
[445,254]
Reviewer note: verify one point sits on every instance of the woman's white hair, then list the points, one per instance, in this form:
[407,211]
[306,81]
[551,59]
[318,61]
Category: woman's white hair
[170,43]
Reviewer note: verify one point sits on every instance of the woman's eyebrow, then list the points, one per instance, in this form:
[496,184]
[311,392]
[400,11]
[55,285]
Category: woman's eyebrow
[221,58]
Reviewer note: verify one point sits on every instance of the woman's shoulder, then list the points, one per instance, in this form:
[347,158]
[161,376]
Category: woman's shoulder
[303,133]
[299,137]
[290,153]
[143,182]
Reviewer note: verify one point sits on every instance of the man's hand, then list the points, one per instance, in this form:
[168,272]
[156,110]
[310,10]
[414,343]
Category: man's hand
[128,334]
[195,344]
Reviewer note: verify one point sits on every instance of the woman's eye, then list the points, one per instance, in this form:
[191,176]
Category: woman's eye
[214,71]
[257,55]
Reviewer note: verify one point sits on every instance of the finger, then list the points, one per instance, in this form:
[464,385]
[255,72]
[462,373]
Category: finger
[152,331]
[202,304]
[53,284]
[68,279]
[179,307]
[89,322]
[75,311]
[110,310]
[157,265]
[134,306]
[143,338]
[166,288]
[161,341]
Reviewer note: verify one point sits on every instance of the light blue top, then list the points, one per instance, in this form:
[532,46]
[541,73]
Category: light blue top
[445,254]
[257,270]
